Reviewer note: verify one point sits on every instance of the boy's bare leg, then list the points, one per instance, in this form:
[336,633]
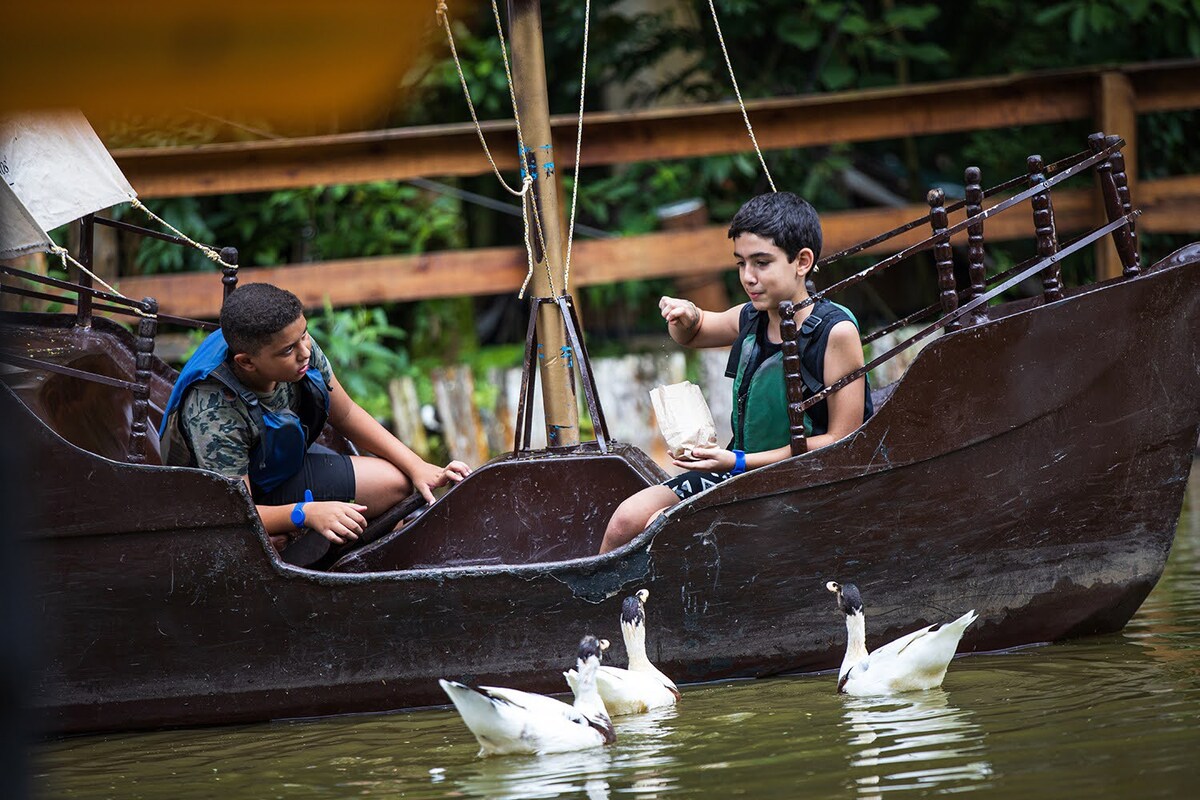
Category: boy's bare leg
[378,484]
[635,513]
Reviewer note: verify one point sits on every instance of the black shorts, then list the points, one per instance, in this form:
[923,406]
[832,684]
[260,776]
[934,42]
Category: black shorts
[329,475]
[694,481]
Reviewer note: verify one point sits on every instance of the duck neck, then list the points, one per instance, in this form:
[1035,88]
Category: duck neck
[587,698]
[635,646]
[856,640]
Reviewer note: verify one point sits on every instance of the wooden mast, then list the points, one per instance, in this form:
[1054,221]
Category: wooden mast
[555,359]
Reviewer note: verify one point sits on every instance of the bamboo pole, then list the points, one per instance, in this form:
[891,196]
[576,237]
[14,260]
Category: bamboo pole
[555,360]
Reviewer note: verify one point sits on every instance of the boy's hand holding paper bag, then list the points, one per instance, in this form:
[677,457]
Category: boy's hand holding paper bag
[684,419]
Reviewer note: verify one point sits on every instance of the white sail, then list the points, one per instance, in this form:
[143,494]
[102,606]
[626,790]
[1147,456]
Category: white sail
[19,232]
[58,170]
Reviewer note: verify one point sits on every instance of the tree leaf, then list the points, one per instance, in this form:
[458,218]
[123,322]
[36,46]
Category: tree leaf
[911,17]
[797,32]
[837,76]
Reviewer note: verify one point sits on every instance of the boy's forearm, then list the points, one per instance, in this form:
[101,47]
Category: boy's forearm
[765,457]
[368,434]
[712,329]
[687,337]
[276,519]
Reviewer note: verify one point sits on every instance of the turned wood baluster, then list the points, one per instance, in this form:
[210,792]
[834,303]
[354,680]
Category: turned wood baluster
[1122,182]
[1043,223]
[791,376]
[144,349]
[1112,205]
[943,256]
[978,272]
[83,310]
[229,276]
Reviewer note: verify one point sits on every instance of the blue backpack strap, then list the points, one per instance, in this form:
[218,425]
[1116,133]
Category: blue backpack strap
[208,356]
[225,375]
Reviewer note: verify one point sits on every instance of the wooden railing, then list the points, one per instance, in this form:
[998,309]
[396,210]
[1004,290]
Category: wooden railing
[1112,99]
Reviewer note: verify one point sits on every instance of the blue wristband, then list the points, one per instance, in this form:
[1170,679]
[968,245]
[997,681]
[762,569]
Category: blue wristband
[739,462]
[298,509]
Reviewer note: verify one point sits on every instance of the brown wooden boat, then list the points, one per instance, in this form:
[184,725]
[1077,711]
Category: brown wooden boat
[1030,464]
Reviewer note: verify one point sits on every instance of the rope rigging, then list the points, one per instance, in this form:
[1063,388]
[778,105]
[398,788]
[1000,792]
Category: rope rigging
[529,207]
[738,92]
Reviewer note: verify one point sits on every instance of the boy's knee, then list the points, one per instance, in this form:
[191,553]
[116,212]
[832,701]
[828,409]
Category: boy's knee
[627,520]
[398,487]
[632,517]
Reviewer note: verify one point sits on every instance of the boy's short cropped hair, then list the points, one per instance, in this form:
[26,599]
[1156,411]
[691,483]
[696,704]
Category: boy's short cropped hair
[254,313]
[785,218]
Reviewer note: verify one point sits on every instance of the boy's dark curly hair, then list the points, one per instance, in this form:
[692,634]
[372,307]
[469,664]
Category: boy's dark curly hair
[785,218]
[254,313]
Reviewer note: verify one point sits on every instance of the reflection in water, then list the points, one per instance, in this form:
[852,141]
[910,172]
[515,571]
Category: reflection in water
[556,775]
[914,741]
[643,738]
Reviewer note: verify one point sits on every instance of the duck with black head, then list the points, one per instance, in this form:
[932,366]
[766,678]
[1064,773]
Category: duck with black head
[511,721]
[911,663]
[642,687]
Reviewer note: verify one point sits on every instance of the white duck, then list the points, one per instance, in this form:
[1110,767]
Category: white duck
[511,721]
[642,686]
[913,662]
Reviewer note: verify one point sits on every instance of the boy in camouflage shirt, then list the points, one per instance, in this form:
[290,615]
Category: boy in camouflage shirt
[250,404]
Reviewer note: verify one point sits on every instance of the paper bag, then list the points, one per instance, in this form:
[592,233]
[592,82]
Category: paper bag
[683,418]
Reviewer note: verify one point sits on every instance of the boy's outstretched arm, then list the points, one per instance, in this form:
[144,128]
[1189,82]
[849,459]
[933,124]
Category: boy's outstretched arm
[349,419]
[692,326]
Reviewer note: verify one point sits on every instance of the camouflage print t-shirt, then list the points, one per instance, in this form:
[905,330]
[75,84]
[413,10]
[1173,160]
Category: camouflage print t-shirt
[218,427]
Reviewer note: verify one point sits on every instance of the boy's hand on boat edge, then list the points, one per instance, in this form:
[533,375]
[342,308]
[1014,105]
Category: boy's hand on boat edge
[337,521]
[428,477]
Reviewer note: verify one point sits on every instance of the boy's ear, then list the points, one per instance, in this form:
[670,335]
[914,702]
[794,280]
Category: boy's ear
[805,261]
[244,361]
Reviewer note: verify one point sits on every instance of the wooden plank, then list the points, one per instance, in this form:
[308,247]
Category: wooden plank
[1170,205]
[497,270]
[1164,85]
[630,136]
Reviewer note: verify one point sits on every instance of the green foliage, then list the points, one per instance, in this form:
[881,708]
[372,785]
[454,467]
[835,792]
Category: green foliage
[1087,19]
[444,329]
[365,350]
[155,256]
[433,88]
[329,222]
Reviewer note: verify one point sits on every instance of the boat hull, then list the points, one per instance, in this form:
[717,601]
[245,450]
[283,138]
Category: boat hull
[1032,468]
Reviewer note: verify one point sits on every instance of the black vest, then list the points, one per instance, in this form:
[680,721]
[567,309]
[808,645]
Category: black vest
[813,340]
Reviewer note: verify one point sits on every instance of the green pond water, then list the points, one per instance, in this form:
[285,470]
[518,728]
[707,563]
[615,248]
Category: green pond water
[1111,716]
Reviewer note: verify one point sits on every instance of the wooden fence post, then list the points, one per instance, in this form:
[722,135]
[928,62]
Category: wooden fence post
[1116,112]
[705,289]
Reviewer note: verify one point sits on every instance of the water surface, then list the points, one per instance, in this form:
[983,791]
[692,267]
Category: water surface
[1114,716]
